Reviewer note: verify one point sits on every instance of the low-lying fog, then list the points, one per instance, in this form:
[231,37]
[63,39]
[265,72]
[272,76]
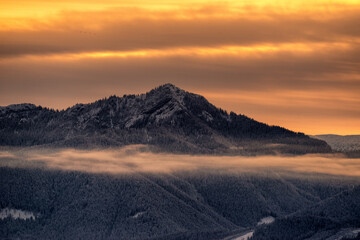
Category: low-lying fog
[134,159]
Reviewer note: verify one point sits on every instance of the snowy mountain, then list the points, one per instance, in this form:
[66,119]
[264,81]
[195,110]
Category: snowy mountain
[166,118]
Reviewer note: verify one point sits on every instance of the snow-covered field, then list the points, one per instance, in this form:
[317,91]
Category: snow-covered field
[16,214]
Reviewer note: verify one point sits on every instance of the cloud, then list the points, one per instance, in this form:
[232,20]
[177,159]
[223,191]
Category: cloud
[126,29]
[133,159]
[313,92]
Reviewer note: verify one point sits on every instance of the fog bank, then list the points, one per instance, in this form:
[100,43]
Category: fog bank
[132,159]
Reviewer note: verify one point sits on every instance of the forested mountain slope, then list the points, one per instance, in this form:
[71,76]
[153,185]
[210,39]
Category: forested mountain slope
[338,215]
[166,118]
[187,205]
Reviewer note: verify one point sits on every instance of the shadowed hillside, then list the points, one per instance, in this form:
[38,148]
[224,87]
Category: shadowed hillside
[191,205]
[336,216]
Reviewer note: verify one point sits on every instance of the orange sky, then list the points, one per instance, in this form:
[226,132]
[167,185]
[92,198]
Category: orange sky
[291,64]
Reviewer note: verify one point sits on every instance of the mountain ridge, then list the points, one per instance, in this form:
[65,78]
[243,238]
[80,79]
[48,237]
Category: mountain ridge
[167,118]
[336,216]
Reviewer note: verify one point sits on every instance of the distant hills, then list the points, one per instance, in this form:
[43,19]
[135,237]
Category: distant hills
[167,119]
[341,143]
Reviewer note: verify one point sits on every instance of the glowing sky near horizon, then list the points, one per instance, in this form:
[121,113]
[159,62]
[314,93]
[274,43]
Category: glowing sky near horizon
[289,63]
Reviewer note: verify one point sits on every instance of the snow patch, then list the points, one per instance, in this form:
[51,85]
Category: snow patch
[16,214]
[84,118]
[351,233]
[137,215]
[23,120]
[133,120]
[245,236]
[208,117]
[266,220]
[166,112]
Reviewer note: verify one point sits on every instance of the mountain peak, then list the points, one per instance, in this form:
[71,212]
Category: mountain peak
[167,117]
[168,85]
[169,88]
